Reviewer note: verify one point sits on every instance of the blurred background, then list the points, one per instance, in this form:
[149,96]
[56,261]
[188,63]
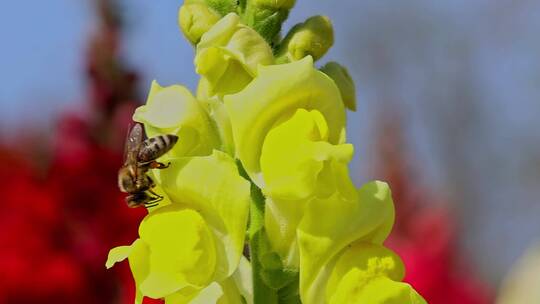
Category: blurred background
[448,101]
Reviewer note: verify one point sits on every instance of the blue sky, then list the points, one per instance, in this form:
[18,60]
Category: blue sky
[40,57]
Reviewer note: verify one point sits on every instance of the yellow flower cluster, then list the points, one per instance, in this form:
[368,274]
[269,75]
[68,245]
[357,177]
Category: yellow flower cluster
[262,152]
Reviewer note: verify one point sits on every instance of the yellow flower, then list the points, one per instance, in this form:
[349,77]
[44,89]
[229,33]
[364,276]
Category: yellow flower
[218,114]
[174,110]
[289,137]
[331,225]
[199,238]
[369,274]
[228,55]
[272,98]
[295,152]
[298,164]
[236,289]
[312,235]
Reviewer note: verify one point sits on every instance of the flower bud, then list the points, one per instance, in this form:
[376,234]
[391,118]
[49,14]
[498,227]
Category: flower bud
[275,4]
[223,7]
[228,55]
[195,19]
[313,37]
[343,80]
[266,16]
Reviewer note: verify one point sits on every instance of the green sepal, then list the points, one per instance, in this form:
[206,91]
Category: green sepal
[222,6]
[272,271]
[290,294]
[262,293]
[265,20]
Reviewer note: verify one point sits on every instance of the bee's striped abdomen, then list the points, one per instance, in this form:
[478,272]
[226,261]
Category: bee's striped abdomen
[155,147]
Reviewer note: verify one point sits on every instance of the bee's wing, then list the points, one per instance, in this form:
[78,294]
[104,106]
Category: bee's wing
[133,143]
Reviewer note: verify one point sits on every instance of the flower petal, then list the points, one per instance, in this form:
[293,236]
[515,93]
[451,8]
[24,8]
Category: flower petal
[368,262]
[281,218]
[174,110]
[182,251]
[243,279]
[218,113]
[209,295]
[217,65]
[140,267]
[117,254]
[331,224]
[381,290]
[259,107]
[294,154]
[228,55]
[212,186]
[137,253]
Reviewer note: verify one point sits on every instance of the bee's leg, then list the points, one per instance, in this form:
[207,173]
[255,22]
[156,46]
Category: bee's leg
[155,194]
[153,165]
[154,202]
[145,166]
[149,205]
[158,165]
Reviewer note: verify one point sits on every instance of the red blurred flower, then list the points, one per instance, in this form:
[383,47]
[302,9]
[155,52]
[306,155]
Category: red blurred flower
[58,224]
[424,234]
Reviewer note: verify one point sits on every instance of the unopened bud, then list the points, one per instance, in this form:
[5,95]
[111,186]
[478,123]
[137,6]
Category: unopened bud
[275,4]
[313,37]
[195,19]
[344,82]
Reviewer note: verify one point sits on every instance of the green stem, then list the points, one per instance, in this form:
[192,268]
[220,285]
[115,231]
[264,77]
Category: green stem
[262,293]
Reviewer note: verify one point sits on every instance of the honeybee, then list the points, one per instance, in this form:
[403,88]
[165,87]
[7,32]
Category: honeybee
[140,156]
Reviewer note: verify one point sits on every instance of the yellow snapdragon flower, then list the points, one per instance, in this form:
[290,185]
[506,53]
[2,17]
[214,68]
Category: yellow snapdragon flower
[199,238]
[341,254]
[369,273]
[227,57]
[289,137]
[272,98]
[298,164]
[265,141]
[322,239]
